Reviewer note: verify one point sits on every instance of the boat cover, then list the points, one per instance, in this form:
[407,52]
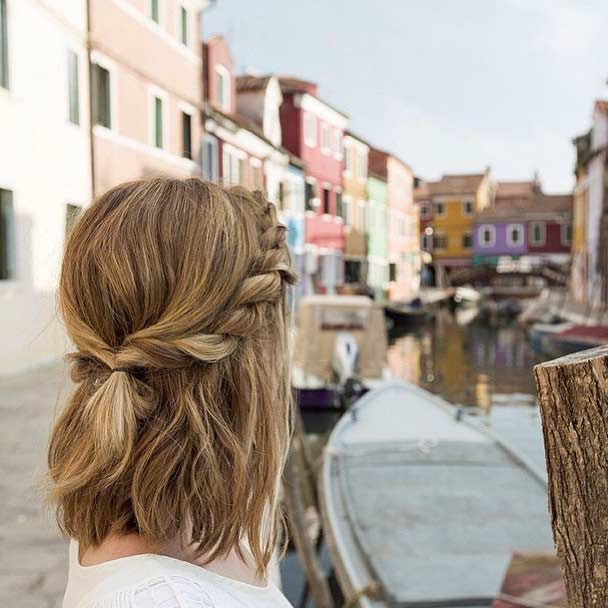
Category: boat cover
[434,506]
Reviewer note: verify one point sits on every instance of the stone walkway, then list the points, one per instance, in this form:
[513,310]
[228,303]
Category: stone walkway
[33,556]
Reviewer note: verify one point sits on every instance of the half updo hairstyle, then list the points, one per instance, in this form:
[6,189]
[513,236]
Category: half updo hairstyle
[173,294]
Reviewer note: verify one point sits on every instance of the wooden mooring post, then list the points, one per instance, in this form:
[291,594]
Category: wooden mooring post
[573,396]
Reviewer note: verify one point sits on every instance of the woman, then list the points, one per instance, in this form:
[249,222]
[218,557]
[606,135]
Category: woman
[165,462]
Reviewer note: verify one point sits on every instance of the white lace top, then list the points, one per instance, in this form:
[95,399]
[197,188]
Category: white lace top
[157,581]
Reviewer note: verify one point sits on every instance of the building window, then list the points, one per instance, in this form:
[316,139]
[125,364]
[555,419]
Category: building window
[487,236]
[183,25]
[326,200]
[467,240]
[154,11]
[3,45]
[339,205]
[467,207]
[7,236]
[186,135]
[209,158]
[337,144]
[440,241]
[102,104]
[157,124]
[310,194]
[537,233]
[566,233]
[439,208]
[71,215]
[73,97]
[256,174]
[348,160]
[425,211]
[222,85]
[362,166]
[325,142]
[362,216]
[426,243]
[515,235]
[281,196]
[352,271]
[310,130]
[392,272]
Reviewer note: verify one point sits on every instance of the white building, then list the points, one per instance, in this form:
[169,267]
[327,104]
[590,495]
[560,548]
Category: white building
[44,168]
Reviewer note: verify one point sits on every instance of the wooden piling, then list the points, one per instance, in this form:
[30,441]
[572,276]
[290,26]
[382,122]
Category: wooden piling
[573,396]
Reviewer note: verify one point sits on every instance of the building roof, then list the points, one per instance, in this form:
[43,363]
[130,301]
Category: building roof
[349,133]
[422,191]
[514,189]
[291,84]
[601,105]
[540,206]
[377,163]
[249,82]
[451,183]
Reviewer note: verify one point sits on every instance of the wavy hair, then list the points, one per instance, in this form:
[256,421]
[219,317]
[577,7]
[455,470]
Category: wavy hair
[173,293]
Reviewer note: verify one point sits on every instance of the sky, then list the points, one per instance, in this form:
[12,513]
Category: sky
[449,86]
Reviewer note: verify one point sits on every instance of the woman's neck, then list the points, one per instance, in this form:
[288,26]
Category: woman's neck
[117,546]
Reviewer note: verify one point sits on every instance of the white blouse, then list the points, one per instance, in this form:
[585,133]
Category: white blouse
[158,581]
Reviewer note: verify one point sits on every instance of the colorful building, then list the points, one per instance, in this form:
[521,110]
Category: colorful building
[377,228]
[313,131]
[579,266]
[45,173]
[240,149]
[403,232]
[447,211]
[538,229]
[354,212]
[146,89]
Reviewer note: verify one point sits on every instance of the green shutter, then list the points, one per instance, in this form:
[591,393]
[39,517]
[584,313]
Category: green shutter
[3,45]
[154,10]
[158,122]
[73,97]
[184,22]
[7,241]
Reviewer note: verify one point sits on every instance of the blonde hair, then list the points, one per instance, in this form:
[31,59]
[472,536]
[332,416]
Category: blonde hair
[173,293]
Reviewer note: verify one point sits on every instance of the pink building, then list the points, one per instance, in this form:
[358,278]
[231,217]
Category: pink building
[146,89]
[236,148]
[313,130]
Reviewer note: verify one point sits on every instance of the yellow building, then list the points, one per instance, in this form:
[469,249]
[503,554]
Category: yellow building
[354,211]
[447,212]
[579,271]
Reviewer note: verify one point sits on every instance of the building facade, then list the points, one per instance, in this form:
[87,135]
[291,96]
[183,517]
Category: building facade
[146,89]
[403,232]
[354,212]
[312,130]
[447,211]
[377,233]
[539,231]
[579,266]
[45,176]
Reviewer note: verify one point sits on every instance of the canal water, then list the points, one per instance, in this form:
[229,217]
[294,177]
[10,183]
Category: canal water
[466,360]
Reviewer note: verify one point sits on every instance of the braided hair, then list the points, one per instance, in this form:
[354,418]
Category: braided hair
[173,294]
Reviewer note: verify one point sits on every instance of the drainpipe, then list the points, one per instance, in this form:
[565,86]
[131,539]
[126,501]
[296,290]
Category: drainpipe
[89,43]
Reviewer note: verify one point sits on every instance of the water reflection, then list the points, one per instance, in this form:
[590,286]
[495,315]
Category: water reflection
[467,362]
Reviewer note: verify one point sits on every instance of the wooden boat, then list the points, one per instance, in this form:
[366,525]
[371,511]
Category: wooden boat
[572,338]
[407,314]
[340,347]
[423,508]
[538,331]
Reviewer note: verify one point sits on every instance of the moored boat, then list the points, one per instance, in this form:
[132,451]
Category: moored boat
[423,508]
[573,338]
[408,314]
[340,349]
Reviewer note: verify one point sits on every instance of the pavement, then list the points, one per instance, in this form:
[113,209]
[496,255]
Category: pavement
[33,556]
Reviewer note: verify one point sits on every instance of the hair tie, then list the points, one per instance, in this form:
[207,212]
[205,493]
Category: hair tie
[126,370]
